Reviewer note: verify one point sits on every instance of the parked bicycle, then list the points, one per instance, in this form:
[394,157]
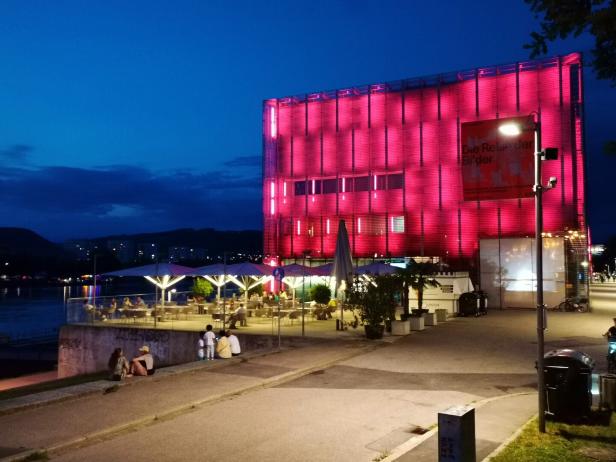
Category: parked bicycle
[579,304]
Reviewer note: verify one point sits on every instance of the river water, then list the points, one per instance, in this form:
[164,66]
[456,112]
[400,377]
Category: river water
[30,314]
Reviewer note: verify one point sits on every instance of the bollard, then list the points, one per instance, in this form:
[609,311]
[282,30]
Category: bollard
[456,434]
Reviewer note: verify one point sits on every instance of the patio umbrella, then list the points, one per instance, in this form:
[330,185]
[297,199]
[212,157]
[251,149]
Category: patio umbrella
[163,275]
[343,263]
[248,275]
[294,275]
[375,268]
[214,273]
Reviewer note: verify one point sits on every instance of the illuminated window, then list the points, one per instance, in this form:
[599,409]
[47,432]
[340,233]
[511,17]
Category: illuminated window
[359,226]
[273,128]
[327,226]
[397,224]
[272,206]
[299,227]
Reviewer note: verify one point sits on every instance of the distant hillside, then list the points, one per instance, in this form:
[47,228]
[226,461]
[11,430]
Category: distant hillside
[24,242]
[214,241]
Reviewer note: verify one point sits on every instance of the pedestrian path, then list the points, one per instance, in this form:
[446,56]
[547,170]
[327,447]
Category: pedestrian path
[496,421]
[70,417]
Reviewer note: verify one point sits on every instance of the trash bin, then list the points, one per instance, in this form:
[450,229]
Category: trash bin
[469,304]
[607,388]
[568,383]
[483,302]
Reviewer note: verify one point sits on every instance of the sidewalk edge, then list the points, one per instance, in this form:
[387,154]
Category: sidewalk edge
[172,412]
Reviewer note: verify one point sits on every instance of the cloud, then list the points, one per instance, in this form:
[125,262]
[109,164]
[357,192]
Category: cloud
[16,153]
[64,202]
[245,161]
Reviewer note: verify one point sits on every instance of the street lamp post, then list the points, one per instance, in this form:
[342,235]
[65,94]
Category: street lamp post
[512,129]
[538,189]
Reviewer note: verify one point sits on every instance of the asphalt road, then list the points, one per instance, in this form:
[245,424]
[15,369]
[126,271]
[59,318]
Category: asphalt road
[361,408]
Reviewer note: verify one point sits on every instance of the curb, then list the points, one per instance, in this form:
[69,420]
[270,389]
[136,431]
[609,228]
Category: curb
[173,412]
[508,441]
[415,441]
[105,384]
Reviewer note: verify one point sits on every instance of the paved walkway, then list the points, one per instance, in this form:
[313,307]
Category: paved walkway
[66,418]
[354,400]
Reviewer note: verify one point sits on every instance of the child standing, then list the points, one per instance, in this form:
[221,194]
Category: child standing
[209,338]
[201,346]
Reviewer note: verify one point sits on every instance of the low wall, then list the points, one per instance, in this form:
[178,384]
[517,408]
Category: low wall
[86,349]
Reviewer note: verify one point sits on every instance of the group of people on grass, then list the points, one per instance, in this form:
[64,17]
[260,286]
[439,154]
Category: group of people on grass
[221,346]
[141,365]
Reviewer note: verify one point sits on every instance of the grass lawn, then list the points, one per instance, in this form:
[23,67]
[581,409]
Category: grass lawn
[563,443]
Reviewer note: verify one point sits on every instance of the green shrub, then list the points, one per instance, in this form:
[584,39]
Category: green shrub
[321,294]
[202,288]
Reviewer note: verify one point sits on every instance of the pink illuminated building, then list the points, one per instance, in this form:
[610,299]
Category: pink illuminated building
[388,158]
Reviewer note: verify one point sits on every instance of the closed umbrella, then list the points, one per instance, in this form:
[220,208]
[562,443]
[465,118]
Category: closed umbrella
[342,268]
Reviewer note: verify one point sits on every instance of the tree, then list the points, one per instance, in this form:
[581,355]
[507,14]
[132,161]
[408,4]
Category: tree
[202,288]
[416,276]
[563,18]
[321,294]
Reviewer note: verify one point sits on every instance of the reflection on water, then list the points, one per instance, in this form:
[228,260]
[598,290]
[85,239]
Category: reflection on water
[30,312]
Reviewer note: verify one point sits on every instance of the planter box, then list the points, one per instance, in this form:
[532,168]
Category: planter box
[374,332]
[417,322]
[400,327]
[431,319]
[441,314]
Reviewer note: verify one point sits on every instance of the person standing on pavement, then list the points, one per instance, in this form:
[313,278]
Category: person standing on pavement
[611,332]
[210,339]
[234,343]
[201,346]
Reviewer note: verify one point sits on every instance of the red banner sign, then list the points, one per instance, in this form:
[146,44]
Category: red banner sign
[496,166]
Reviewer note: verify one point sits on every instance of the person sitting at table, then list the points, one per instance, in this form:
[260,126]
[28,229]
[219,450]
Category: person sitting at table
[117,365]
[238,315]
[126,303]
[223,347]
[113,305]
[143,364]
[140,303]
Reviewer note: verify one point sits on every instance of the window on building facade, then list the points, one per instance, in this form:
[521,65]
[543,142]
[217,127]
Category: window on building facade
[397,224]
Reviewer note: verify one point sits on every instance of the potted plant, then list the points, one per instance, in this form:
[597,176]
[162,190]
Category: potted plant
[416,276]
[375,301]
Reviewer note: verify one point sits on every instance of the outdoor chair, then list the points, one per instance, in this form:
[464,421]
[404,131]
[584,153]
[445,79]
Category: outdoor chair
[188,310]
[109,312]
[293,315]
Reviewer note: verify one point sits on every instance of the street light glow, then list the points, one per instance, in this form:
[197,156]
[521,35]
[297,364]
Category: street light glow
[510,129]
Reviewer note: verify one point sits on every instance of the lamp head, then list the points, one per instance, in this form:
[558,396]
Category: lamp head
[510,129]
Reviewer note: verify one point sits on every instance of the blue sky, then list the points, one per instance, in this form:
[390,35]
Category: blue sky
[121,117]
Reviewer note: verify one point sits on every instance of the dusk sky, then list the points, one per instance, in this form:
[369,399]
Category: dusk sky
[122,117]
